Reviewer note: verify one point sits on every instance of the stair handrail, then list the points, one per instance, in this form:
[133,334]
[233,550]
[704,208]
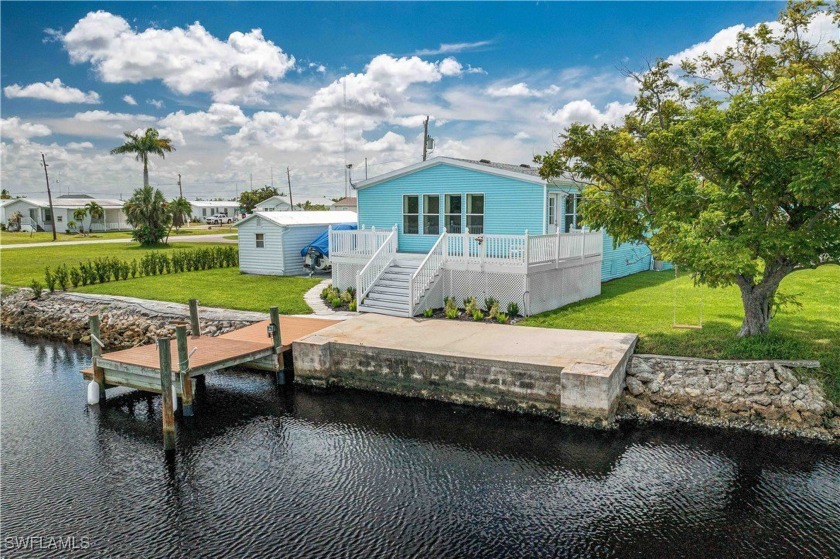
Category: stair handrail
[375,267]
[427,270]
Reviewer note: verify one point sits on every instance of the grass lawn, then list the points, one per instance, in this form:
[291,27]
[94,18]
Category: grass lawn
[644,304]
[19,238]
[21,266]
[225,287]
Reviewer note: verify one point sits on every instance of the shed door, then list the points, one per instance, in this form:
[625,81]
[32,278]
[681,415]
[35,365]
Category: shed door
[553,213]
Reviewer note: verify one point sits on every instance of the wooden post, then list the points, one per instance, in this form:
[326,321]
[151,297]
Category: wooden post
[96,351]
[194,324]
[183,372]
[167,412]
[275,334]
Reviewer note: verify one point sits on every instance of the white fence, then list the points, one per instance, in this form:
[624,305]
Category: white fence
[375,267]
[422,278]
[357,243]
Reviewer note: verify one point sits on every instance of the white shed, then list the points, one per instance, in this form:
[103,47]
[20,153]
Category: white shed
[270,242]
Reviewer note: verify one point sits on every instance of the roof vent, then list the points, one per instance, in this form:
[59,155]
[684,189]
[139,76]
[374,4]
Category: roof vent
[484,161]
[525,165]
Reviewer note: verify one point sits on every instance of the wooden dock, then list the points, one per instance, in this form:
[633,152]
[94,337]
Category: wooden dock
[168,367]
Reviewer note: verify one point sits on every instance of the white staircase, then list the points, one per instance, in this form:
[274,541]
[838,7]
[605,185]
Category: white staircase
[389,294]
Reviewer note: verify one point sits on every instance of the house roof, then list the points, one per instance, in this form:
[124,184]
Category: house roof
[214,203]
[523,168]
[347,201]
[274,199]
[64,202]
[305,218]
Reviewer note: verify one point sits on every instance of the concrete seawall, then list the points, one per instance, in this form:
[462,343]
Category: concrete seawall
[571,375]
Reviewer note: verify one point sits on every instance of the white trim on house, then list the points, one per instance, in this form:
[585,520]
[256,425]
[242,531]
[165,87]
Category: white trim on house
[453,162]
[304,218]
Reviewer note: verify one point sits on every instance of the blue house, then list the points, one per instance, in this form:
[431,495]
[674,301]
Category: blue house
[474,228]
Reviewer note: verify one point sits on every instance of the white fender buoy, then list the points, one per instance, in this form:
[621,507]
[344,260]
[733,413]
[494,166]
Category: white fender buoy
[93,393]
[174,399]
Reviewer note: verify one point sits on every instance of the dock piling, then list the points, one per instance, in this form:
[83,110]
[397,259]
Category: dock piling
[275,334]
[96,351]
[167,411]
[194,324]
[183,370]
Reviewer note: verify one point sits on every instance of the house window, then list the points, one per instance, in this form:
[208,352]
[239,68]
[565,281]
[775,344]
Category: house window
[59,218]
[47,215]
[260,240]
[452,214]
[475,213]
[411,214]
[571,216]
[431,214]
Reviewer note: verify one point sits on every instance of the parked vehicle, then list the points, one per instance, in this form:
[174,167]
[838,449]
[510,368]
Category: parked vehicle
[219,219]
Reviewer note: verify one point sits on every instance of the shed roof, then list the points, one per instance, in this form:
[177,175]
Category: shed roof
[288,219]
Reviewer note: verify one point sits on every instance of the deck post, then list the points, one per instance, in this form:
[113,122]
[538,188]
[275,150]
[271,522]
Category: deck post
[278,348]
[194,324]
[583,244]
[557,249]
[96,351]
[183,370]
[466,243]
[527,250]
[167,412]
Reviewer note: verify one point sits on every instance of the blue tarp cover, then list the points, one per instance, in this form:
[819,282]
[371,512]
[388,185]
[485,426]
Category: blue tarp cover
[322,243]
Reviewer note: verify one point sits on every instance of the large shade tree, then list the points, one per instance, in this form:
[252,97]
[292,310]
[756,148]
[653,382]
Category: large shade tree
[150,143]
[250,198]
[729,167]
[148,212]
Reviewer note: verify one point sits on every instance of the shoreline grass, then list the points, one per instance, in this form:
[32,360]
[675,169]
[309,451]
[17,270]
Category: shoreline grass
[644,304]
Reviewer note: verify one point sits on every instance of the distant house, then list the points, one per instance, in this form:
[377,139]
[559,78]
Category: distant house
[270,242]
[464,228]
[202,209]
[348,204]
[273,204]
[36,213]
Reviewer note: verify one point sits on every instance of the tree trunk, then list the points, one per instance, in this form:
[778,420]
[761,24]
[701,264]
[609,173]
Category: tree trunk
[145,172]
[757,300]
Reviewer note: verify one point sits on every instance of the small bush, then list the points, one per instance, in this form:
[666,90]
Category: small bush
[37,288]
[489,303]
[471,305]
[429,313]
[493,311]
[134,268]
[75,277]
[451,312]
[49,279]
[335,302]
[346,297]
[352,306]
[513,309]
[62,277]
[477,315]
[502,318]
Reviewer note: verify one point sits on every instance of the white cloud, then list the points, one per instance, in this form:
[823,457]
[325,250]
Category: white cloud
[157,103]
[106,116]
[521,89]
[585,112]
[79,145]
[19,131]
[187,60]
[453,48]
[320,68]
[450,67]
[129,99]
[218,117]
[52,91]
[821,30]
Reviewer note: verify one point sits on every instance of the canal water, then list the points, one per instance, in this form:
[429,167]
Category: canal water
[268,472]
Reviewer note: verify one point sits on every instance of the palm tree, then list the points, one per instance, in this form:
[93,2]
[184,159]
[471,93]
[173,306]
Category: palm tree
[148,212]
[95,211]
[181,210]
[79,215]
[71,225]
[143,146]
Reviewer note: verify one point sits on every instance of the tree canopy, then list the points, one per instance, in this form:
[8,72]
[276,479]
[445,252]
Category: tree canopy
[250,198]
[148,212]
[150,143]
[729,166]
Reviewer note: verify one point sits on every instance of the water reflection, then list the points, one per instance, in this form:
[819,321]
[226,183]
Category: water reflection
[262,471]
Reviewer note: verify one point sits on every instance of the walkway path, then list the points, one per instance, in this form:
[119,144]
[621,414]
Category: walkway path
[220,238]
[313,299]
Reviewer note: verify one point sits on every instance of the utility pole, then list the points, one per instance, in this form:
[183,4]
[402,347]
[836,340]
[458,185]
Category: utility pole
[425,136]
[180,190]
[365,168]
[272,176]
[291,200]
[252,181]
[49,195]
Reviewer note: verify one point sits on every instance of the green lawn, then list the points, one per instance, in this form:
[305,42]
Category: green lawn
[644,304]
[226,288]
[18,238]
[21,266]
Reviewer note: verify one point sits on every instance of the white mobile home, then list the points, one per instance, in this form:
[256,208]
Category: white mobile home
[202,209]
[270,242]
[36,214]
[273,204]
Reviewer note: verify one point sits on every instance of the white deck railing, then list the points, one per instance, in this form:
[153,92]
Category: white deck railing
[563,246]
[422,278]
[357,243]
[376,266]
[28,224]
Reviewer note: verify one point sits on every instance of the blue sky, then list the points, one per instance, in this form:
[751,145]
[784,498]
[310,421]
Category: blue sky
[499,80]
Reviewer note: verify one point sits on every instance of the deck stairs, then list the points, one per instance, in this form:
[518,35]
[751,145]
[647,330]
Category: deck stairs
[389,295]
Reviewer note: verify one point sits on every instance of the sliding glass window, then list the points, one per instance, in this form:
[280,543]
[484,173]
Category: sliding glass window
[411,214]
[475,213]
[452,215]
[431,214]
